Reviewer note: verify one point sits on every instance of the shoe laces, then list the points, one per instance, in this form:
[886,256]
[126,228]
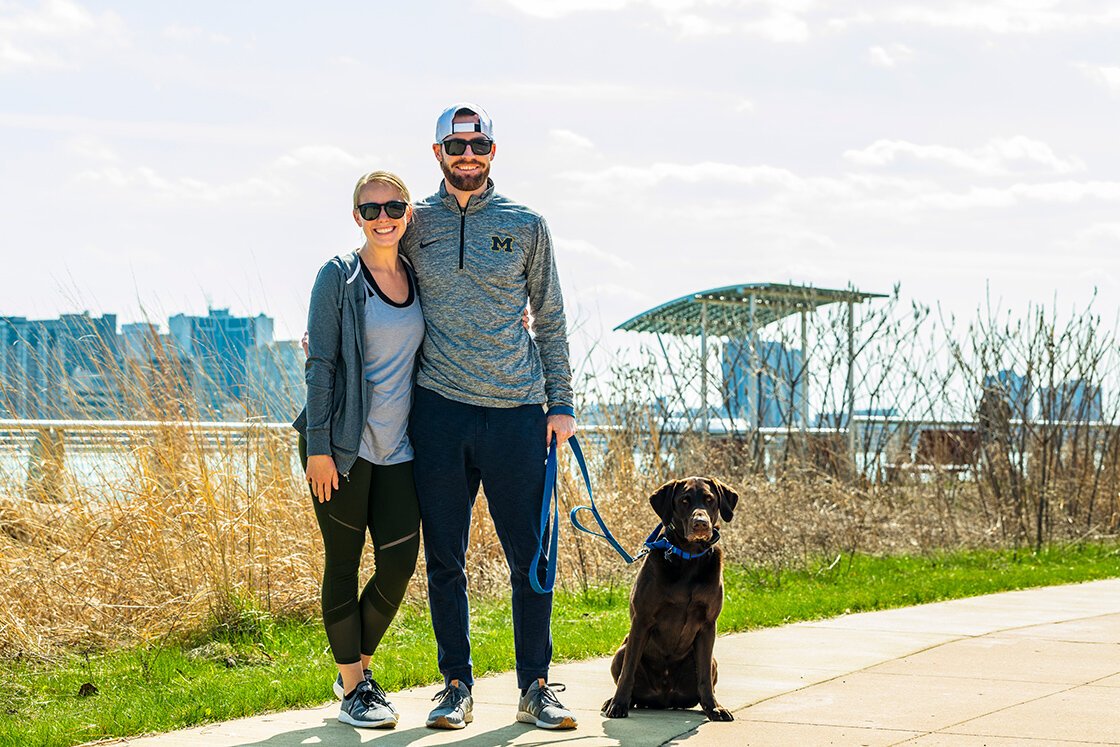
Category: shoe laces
[547,694]
[376,693]
[372,695]
[450,695]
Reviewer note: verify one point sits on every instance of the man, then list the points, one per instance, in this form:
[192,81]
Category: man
[488,400]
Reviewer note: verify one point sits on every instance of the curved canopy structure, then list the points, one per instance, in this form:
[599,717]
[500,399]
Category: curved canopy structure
[740,311]
[727,312]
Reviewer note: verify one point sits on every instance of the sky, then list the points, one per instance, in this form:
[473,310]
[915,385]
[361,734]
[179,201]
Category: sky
[159,158]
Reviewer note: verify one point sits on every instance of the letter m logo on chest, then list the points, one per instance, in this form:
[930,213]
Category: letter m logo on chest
[502,243]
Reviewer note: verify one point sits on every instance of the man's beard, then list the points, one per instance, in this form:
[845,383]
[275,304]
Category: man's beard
[463,182]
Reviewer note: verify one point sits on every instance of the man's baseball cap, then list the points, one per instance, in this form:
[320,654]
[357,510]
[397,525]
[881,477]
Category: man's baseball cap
[444,126]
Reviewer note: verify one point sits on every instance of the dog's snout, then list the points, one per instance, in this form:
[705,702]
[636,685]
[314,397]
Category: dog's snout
[701,520]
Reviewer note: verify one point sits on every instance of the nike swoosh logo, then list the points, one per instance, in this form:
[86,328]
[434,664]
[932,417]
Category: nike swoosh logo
[429,242]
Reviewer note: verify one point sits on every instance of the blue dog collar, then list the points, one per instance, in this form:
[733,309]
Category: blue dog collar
[658,541]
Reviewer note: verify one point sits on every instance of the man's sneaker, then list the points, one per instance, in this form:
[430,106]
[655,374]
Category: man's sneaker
[365,708]
[454,709]
[539,706]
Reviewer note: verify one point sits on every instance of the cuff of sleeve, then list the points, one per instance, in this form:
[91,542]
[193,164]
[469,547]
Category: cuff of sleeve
[318,442]
[562,410]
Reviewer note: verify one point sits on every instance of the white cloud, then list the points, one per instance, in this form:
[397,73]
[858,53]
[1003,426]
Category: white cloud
[559,8]
[782,27]
[1007,16]
[1101,232]
[53,35]
[891,55]
[176,32]
[622,177]
[587,250]
[781,21]
[90,147]
[1106,75]
[568,139]
[322,157]
[273,179]
[795,21]
[998,156]
[147,180]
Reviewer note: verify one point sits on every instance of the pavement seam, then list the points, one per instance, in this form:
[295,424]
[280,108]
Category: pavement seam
[943,729]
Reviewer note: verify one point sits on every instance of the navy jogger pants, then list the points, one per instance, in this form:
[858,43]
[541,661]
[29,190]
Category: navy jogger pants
[458,446]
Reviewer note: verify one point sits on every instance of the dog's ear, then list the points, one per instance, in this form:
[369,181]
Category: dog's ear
[662,501]
[727,498]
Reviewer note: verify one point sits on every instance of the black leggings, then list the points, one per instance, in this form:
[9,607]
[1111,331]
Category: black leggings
[383,498]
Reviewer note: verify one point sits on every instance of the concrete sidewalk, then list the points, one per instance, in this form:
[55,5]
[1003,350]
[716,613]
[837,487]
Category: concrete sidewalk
[1040,666]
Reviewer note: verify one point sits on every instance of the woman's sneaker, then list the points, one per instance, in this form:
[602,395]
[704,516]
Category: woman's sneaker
[366,708]
[454,708]
[540,706]
[339,692]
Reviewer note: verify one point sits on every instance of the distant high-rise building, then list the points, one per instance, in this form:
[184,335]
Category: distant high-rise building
[139,341]
[218,346]
[776,392]
[1015,391]
[277,389]
[59,367]
[1074,400]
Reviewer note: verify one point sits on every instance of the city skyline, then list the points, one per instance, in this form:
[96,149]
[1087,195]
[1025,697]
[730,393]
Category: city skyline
[226,366]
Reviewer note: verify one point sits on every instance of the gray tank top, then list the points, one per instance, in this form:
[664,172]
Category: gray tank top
[393,334]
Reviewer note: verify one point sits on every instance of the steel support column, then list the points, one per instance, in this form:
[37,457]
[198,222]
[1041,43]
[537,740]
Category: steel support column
[704,369]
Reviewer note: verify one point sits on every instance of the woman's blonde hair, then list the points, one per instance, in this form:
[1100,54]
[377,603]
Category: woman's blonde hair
[382,177]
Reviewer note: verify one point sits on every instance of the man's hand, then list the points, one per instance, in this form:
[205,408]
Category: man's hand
[561,426]
[322,476]
[305,346]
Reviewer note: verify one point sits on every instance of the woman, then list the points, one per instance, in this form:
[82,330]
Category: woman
[364,330]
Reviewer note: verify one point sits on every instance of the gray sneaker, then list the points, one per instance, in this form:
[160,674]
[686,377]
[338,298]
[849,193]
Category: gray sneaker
[454,709]
[338,691]
[540,706]
[366,709]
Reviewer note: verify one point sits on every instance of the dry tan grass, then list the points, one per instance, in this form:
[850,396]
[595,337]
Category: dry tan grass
[191,534]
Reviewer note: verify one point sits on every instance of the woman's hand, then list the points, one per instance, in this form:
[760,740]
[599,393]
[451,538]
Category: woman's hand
[322,476]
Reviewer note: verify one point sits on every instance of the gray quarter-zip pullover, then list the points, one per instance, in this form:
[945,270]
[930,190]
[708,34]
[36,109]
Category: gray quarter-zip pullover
[476,267]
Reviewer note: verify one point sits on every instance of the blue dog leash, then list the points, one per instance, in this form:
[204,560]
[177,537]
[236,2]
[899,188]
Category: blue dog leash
[550,499]
[549,549]
[606,533]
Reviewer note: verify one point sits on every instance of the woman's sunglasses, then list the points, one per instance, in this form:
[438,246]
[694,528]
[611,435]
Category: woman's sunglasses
[393,208]
[458,146]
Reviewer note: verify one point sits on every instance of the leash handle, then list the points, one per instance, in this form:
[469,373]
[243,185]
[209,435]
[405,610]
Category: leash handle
[606,533]
[550,499]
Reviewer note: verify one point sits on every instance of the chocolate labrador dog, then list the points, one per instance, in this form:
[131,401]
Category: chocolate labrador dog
[666,660]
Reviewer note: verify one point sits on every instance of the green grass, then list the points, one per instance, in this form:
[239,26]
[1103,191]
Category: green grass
[283,663]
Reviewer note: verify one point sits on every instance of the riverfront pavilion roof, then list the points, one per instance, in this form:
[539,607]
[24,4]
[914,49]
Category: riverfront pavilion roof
[726,312]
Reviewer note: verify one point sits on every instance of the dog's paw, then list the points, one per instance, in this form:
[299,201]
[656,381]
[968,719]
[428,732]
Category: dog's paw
[718,713]
[611,709]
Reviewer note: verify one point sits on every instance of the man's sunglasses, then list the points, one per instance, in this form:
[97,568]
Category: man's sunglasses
[458,146]
[393,208]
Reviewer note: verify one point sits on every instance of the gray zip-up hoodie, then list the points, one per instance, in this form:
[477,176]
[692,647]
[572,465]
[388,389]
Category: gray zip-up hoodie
[475,268]
[338,395]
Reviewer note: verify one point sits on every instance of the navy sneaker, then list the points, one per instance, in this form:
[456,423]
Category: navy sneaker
[454,709]
[365,708]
